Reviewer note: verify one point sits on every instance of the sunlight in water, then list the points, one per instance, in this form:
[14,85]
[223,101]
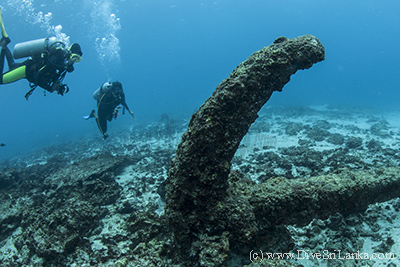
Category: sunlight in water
[26,9]
[104,28]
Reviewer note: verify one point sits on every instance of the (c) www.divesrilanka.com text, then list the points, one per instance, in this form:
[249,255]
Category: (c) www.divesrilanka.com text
[259,256]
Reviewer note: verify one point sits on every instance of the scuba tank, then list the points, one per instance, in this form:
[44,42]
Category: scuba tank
[103,89]
[34,47]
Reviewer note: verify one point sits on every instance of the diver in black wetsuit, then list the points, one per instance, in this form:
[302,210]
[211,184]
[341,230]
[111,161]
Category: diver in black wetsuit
[109,96]
[46,69]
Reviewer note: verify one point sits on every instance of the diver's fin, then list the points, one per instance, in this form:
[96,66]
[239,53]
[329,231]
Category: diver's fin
[92,115]
[3,29]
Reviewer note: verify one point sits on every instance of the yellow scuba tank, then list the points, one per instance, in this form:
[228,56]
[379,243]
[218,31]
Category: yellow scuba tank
[34,47]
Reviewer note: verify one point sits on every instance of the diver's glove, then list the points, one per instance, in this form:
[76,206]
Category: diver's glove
[62,89]
[116,112]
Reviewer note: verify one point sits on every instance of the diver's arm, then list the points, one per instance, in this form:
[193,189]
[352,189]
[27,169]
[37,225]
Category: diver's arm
[51,81]
[127,108]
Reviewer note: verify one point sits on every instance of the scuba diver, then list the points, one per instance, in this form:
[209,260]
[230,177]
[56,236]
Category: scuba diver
[48,63]
[109,96]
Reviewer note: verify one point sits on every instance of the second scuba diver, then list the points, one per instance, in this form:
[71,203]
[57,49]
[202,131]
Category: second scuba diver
[109,96]
[48,63]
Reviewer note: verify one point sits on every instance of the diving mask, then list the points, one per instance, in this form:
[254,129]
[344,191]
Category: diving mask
[75,58]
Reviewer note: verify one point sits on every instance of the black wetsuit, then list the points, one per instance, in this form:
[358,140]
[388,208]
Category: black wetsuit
[107,104]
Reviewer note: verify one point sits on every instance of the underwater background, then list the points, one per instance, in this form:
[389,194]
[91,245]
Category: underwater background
[318,170]
[170,56]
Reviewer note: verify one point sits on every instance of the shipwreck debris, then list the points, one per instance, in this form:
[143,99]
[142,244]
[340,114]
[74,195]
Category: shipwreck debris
[197,186]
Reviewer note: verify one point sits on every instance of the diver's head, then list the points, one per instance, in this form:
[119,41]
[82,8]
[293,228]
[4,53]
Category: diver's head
[75,53]
[117,84]
[76,49]
[117,89]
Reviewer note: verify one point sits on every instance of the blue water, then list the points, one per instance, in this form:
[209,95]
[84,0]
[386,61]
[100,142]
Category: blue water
[170,56]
